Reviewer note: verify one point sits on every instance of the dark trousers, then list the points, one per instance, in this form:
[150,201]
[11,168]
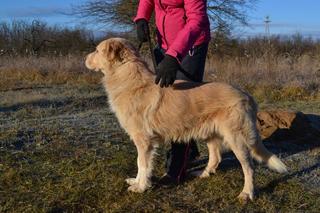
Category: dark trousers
[180,153]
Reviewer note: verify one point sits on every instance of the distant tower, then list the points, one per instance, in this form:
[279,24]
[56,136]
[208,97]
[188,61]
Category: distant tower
[267,25]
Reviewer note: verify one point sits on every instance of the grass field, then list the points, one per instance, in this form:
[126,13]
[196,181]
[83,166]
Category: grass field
[62,150]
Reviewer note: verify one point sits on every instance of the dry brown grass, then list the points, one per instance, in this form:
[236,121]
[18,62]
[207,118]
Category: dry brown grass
[278,71]
[268,78]
[31,71]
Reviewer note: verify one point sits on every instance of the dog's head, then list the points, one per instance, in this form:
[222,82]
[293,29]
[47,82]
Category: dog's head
[111,53]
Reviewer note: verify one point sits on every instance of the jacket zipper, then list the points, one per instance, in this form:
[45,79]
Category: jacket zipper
[163,30]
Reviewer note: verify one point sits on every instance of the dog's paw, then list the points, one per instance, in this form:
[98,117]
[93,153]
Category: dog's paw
[245,197]
[131,181]
[204,174]
[201,174]
[136,188]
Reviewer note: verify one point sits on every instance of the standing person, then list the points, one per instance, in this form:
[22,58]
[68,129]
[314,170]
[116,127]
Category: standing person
[183,34]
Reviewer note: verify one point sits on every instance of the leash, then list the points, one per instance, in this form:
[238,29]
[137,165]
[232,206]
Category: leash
[151,50]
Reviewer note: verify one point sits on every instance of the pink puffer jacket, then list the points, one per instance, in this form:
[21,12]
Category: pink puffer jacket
[182,24]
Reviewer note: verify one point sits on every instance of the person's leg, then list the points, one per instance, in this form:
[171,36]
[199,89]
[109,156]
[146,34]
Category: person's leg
[176,162]
[181,153]
[194,64]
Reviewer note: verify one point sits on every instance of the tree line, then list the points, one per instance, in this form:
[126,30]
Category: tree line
[40,39]
[223,45]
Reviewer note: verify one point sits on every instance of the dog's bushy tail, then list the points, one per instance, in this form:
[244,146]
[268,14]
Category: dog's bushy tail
[261,154]
[253,140]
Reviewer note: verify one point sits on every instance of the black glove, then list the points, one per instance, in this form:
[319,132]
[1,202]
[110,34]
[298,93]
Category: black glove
[142,30]
[167,71]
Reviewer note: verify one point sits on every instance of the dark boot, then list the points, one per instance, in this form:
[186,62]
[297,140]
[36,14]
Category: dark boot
[177,161]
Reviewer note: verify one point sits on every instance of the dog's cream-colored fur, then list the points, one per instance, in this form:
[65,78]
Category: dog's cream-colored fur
[216,113]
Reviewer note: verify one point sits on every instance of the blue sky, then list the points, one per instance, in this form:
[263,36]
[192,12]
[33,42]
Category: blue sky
[287,16]
[46,10]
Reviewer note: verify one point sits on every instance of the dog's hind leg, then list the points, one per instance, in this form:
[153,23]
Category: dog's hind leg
[214,150]
[237,144]
[145,157]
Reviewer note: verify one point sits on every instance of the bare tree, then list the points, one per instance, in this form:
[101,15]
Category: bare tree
[107,12]
[121,12]
[225,13]
[36,41]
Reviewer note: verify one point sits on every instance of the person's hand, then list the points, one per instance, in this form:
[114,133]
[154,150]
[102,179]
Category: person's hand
[167,71]
[142,30]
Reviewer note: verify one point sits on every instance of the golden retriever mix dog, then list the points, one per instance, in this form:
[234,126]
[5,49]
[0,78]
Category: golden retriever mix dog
[216,113]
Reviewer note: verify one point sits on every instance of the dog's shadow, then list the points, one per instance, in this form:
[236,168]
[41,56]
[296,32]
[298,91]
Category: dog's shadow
[55,103]
[269,188]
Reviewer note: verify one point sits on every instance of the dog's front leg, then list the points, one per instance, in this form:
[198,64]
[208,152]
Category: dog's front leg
[145,156]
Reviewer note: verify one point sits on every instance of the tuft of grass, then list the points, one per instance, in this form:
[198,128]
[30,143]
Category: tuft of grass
[267,93]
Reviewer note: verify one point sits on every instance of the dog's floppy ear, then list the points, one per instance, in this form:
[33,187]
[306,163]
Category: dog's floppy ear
[115,51]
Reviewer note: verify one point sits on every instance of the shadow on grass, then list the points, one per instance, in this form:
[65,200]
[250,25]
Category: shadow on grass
[43,103]
[27,88]
[58,103]
[270,187]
